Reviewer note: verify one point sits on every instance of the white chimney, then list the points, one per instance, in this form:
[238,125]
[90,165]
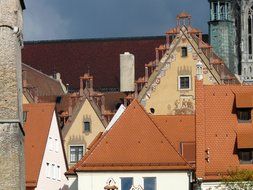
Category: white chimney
[127,72]
[199,70]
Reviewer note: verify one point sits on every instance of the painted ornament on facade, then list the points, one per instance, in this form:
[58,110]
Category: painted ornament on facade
[184,106]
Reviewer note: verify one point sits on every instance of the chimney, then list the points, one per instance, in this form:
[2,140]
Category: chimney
[81,87]
[146,74]
[103,104]
[70,106]
[127,72]
[91,86]
[200,39]
[199,70]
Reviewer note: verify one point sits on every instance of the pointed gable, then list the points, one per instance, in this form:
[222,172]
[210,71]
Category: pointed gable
[134,143]
[37,126]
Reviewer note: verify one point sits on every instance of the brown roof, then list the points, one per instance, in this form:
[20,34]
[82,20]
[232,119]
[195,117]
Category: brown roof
[216,130]
[37,125]
[72,58]
[44,84]
[245,135]
[180,130]
[133,143]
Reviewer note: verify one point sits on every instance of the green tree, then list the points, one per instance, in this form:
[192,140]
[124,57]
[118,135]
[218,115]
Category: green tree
[239,180]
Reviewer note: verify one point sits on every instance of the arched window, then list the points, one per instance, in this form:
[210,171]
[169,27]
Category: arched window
[244,71]
[250,70]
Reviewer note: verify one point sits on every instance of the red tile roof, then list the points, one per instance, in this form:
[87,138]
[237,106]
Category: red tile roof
[216,129]
[133,143]
[180,130]
[72,58]
[37,126]
[245,135]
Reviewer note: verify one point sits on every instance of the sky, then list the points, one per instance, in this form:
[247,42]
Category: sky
[81,19]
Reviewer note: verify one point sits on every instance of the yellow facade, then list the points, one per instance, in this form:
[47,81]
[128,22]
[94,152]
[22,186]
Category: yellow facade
[25,100]
[74,134]
[163,93]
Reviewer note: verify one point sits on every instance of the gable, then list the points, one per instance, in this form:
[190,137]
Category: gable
[163,91]
[134,141]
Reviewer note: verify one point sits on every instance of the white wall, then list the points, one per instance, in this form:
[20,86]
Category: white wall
[211,186]
[164,180]
[54,156]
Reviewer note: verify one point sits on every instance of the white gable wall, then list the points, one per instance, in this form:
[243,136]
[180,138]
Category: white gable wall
[53,155]
[177,180]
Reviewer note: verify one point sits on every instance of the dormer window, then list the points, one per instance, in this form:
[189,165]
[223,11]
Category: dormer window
[244,115]
[184,51]
[245,156]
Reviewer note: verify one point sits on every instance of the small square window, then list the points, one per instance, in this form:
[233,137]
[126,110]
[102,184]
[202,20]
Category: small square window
[149,183]
[76,153]
[126,183]
[184,82]
[184,51]
[86,127]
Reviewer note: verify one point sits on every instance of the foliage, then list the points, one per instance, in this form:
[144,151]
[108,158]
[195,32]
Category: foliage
[239,180]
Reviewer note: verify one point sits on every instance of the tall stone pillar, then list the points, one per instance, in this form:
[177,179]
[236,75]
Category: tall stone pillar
[12,175]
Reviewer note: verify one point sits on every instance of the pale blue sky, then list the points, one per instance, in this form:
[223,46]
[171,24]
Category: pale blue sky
[74,19]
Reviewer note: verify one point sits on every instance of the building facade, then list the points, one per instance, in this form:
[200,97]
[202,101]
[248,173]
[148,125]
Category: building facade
[11,135]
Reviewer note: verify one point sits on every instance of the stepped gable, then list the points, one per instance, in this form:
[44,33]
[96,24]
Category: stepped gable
[222,134]
[37,126]
[72,58]
[133,143]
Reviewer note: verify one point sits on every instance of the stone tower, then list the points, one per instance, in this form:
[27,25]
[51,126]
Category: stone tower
[12,175]
[222,32]
[245,9]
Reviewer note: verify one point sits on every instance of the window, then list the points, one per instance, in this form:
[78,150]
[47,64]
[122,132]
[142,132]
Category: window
[246,156]
[56,145]
[50,141]
[48,170]
[24,116]
[184,82]
[58,173]
[86,127]
[244,115]
[76,153]
[126,183]
[150,183]
[52,171]
[184,51]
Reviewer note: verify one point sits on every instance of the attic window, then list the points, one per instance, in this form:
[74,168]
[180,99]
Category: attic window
[245,156]
[184,51]
[86,127]
[244,115]
[184,82]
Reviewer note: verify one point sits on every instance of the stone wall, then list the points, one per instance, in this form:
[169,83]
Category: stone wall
[12,175]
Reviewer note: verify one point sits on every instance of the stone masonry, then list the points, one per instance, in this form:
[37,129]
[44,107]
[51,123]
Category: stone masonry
[12,175]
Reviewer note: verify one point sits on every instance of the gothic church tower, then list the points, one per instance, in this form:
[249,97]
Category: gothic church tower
[12,175]
[222,32]
[246,30]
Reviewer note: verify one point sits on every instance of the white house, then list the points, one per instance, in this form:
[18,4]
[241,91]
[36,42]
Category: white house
[134,154]
[44,152]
